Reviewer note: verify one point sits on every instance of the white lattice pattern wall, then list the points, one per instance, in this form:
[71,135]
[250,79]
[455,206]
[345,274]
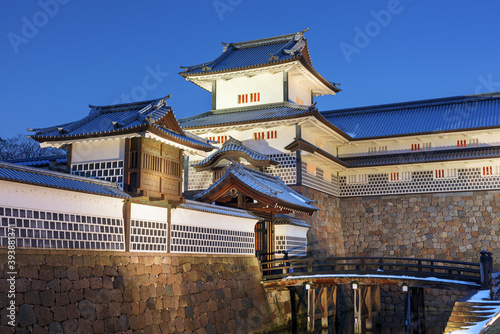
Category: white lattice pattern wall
[148,236]
[197,239]
[286,170]
[59,230]
[110,170]
[464,179]
[296,246]
[199,180]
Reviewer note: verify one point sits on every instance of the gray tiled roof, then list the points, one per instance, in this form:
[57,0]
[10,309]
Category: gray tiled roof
[51,179]
[281,219]
[233,145]
[267,185]
[236,116]
[424,156]
[417,117]
[253,53]
[40,161]
[217,209]
[106,120]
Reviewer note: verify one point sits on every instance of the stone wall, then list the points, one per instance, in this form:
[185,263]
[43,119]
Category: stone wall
[323,238]
[448,226]
[109,292]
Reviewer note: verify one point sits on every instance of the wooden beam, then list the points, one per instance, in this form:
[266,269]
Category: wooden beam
[127,205]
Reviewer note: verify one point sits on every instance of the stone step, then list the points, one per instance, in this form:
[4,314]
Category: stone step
[492,303]
[473,309]
[466,318]
[457,326]
[471,314]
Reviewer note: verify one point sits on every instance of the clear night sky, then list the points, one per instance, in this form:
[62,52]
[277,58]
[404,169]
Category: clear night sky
[99,52]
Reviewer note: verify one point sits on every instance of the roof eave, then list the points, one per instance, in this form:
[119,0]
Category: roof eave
[300,144]
[232,181]
[250,122]
[237,69]
[311,69]
[425,133]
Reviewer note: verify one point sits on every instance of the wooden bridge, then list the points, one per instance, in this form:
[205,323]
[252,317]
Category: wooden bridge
[319,279]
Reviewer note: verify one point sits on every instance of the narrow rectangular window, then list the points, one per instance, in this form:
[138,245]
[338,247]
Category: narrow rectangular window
[360,178]
[473,142]
[394,176]
[487,170]
[311,169]
[461,143]
[426,146]
[415,147]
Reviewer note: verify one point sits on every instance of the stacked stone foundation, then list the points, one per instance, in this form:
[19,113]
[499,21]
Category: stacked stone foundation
[116,292]
[448,226]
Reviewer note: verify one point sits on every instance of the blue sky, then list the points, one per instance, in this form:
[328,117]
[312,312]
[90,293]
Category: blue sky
[58,56]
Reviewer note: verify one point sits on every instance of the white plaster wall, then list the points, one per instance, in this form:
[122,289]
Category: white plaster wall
[311,134]
[296,89]
[148,213]
[110,149]
[285,135]
[291,230]
[24,196]
[269,85]
[186,217]
[438,142]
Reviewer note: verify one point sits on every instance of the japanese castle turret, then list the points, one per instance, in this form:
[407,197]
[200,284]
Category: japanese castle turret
[139,146]
[263,105]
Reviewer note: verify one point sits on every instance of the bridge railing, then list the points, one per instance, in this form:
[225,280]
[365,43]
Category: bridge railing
[278,268]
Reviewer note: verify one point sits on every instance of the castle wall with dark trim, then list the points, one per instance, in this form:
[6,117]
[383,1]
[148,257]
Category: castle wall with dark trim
[109,292]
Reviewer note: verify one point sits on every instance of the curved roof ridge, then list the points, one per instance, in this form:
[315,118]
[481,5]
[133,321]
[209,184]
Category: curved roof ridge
[269,40]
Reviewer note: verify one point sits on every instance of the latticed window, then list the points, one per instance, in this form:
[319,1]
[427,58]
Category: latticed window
[245,98]
[445,173]
[219,139]
[272,134]
[461,143]
[259,135]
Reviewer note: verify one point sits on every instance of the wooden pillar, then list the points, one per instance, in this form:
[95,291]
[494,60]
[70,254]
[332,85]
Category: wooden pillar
[369,303]
[324,306]
[311,307]
[358,306]
[69,158]
[126,223]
